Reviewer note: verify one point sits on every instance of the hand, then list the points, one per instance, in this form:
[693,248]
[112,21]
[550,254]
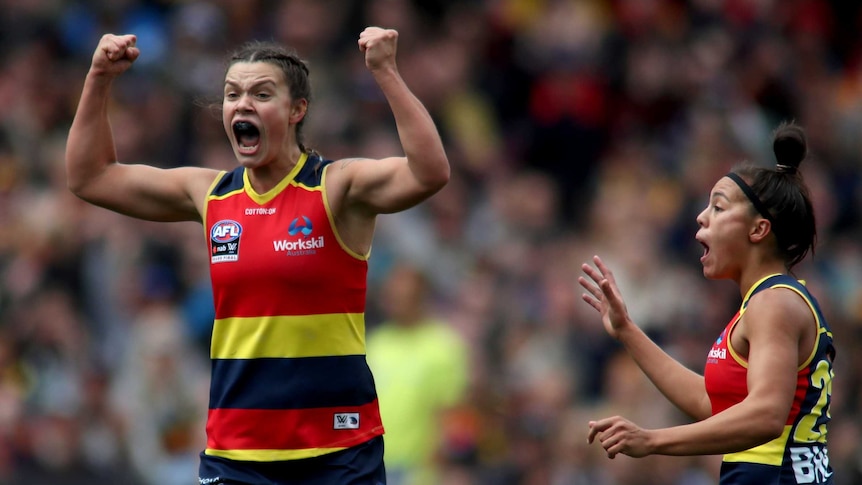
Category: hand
[604,296]
[379,46]
[619,435]
[114,54]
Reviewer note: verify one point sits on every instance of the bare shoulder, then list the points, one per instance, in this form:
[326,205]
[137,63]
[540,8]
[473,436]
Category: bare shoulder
[345,163]
[342,173]
[196,181]
[780,309]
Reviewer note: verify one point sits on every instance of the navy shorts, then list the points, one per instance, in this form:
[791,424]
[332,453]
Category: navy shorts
[358,465]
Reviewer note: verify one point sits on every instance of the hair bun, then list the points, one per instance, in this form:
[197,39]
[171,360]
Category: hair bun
[790,147]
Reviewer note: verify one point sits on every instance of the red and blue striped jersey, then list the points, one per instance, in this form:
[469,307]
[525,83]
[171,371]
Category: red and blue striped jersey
[289,374]
[799,455]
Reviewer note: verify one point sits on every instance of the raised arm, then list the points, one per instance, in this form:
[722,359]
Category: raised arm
[397,183]
[680,385]
[93,172]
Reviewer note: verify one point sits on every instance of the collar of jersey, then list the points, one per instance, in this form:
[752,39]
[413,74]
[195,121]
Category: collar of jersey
[271,193]
[750,291]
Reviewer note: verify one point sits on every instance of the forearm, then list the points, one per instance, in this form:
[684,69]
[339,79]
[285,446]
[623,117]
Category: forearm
[418,134]
[681,386]
[90,146]
[738,428]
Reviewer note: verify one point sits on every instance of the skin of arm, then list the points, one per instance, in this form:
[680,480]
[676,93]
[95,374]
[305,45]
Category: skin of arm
[396,183]
[93,172]
[773,327]
[680,385]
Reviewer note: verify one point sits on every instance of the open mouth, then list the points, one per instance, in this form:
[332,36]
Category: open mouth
[247,136]
[705,249]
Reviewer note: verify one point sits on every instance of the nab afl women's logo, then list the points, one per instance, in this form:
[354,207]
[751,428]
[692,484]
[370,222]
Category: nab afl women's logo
[224,241]
[225,231]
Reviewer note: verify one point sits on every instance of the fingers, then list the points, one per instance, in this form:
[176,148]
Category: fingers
[118,47]
[371,36]
[591,436]
[605,284]
[611,441]
[594,297]
[594,275]
[605,271]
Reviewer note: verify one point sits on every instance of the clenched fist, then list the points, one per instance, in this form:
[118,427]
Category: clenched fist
[379,46]
[114,54]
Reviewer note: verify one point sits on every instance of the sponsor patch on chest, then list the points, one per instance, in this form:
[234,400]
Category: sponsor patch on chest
[301,240]
[224,241]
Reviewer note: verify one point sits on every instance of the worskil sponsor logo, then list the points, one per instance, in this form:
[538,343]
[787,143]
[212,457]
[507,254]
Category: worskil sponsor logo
[303,227]
[224,241]
[302,242]
[720,337]
[299,245]
[716,354]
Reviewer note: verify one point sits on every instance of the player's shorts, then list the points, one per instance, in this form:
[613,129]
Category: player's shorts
[358,465]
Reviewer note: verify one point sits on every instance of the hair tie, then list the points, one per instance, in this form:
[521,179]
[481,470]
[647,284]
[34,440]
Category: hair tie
[785,168]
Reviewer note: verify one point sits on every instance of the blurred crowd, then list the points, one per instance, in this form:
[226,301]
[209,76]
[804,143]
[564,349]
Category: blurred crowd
[574,127]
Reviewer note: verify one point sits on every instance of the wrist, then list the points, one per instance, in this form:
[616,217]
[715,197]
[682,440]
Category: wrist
[653,441]
[626,329]
[97,77]
[385,73]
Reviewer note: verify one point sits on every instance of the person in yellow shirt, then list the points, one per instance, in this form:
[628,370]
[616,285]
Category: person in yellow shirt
[420,366]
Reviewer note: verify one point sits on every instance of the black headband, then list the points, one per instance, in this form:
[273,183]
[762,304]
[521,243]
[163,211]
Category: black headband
[755,200]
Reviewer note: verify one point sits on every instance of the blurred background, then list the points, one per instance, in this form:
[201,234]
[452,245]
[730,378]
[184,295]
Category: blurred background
[574,127]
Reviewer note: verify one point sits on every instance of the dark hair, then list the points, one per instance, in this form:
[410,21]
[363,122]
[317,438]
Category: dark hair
[295,71]
[782,192]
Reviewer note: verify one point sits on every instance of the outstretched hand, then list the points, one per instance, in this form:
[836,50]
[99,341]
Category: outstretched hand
[114,54]
[604,295]
[379,46]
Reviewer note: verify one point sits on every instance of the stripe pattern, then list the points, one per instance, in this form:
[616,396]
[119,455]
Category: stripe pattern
[289,374]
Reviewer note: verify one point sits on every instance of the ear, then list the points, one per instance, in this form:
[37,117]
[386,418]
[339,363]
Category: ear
[760,228]
[297,110]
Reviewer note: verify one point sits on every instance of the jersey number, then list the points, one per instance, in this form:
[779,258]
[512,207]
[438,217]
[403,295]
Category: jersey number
[808,431]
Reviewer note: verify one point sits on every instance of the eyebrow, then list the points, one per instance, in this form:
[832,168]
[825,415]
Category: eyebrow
[721,194]
[254,85]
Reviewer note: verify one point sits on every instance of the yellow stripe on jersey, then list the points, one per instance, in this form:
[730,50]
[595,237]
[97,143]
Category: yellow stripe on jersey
[270,455]
[326,335]
[771,453]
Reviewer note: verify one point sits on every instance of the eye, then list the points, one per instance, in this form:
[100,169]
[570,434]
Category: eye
[716,208]
[231,95]
[263,95]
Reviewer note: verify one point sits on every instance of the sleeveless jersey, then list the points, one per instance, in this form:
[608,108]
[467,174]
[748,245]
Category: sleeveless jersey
[799,455]
[289,375]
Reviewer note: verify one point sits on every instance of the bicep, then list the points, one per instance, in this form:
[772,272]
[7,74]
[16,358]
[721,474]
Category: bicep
[381,186]
[775,325]
[151,193]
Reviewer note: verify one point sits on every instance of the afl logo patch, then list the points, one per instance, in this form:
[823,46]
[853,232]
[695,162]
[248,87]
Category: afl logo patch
[224,241]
